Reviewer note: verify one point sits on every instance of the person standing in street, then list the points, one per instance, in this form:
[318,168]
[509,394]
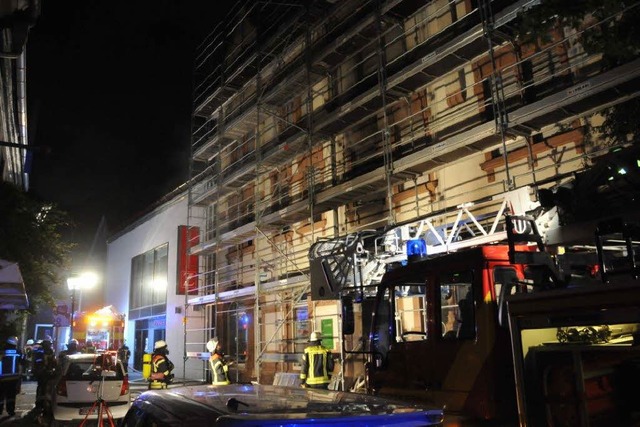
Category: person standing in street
[123,354]
[219,369]
[10,376]
[27,354]
[317,364]
[161,367]
[44,371]
[89,347]
[72,348]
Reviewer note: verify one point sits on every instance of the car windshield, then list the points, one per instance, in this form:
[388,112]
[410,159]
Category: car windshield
[93,369]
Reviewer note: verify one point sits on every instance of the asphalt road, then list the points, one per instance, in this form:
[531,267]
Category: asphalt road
[25,403]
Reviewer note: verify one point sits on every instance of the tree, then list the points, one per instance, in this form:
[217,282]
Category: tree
[607,27]
[31,235]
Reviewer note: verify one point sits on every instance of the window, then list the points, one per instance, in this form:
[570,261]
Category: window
[85,370]
[411,312]
[303,328]
[237,334]
[400,316]
[149,278]
[381,333]
[457,308]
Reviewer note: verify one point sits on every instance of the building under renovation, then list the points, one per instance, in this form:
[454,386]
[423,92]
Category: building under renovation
[319,119]
[16,19]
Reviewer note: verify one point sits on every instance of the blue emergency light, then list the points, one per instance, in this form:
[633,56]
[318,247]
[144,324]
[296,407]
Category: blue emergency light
[244,319]
[416,249]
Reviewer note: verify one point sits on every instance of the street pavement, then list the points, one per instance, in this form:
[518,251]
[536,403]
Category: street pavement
[25,403]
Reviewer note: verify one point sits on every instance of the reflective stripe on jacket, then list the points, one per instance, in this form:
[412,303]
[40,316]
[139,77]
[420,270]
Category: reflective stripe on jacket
[11,366]
[219,370]
[159,366]
[160,370]
[317,365]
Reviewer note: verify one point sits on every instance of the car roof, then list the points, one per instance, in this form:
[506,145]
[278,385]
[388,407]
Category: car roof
[82,356]
[87,358]
[90,356]
[253,405]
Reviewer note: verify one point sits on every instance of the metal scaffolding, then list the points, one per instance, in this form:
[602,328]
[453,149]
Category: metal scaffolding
[325,118]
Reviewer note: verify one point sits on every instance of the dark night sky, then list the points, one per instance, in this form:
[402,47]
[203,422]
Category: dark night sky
[109,91]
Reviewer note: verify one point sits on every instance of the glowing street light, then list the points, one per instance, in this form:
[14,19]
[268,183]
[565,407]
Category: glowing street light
[86,280]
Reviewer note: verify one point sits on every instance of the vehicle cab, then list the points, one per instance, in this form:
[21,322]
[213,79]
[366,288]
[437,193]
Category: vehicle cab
[437,334]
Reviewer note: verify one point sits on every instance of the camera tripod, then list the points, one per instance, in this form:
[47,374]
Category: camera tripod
[101,406]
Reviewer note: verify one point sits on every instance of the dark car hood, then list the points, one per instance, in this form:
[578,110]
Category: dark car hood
[253,405]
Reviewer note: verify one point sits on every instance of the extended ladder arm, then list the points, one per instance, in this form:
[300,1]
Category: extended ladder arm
[337,263]
[522,229]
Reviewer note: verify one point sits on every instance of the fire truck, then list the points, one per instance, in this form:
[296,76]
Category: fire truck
[103,329]
[481,317]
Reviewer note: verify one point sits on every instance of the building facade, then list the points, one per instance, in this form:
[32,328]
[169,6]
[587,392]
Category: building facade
[325,118]
[147,272]
[16,19]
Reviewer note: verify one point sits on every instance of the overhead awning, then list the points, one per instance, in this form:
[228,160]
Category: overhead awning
[13,295]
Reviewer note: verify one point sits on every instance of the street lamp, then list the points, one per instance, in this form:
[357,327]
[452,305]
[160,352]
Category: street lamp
[81,281]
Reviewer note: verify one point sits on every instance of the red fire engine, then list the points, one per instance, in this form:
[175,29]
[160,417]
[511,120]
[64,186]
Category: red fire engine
[102,329]
[506,332]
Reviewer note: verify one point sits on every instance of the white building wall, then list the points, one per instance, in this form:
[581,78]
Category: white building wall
[156,228]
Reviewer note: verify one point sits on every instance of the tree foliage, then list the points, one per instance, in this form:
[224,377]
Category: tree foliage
[605,27]
[31,235]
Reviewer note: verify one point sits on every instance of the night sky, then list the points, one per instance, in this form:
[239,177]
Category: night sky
[109,93]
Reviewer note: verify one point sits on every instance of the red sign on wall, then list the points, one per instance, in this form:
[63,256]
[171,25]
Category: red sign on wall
[187,264]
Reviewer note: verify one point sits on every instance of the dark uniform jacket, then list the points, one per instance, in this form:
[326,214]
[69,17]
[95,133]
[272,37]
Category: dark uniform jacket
[219,370]
[44,363]
[161,368]
[317,366]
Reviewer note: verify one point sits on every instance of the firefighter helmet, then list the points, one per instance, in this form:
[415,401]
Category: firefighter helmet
[30,342]
[315,336]
[212,344]
[159,344]
[12,340]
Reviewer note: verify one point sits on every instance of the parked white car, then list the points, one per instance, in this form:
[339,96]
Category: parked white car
[86,380]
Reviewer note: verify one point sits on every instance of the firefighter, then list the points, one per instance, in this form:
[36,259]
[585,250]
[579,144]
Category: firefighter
[219,369]
[27,354]
[44,370]
[317,364]
[72,348]
[123,354]
[11,375]
[89,347]
[161,367]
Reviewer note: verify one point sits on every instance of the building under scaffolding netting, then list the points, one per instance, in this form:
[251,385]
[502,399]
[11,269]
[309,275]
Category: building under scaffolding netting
[324,118]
